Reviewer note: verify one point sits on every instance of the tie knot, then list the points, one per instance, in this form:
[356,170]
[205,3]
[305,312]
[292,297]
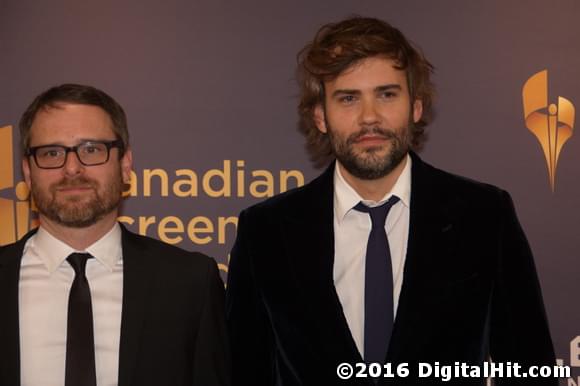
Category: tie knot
[378,213]
[78,262]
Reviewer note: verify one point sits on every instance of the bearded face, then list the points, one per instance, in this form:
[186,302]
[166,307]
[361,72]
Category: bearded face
[367,115]
[76,195]
[78,202]
[374,160]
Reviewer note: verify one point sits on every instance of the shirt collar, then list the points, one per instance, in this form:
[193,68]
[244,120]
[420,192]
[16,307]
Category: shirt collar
[345,197]
[52,251]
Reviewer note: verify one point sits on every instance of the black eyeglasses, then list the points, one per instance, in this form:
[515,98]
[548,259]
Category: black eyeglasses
[89,153]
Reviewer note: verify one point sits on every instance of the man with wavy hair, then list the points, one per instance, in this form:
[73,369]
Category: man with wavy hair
[383,259]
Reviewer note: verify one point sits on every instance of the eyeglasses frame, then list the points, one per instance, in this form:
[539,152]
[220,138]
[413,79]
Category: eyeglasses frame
[118,143]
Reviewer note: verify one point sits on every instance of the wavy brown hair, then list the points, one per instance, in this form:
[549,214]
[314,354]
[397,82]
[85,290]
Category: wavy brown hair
[338,46]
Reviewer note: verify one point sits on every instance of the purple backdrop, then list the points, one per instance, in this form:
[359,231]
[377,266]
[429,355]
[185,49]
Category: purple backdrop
[207,83]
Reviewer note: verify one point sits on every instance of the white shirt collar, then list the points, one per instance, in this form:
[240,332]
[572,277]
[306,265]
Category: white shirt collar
[345,197]
[52,251]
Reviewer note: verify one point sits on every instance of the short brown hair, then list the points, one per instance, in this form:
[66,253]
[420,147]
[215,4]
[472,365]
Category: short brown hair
[76,94]
[338,46]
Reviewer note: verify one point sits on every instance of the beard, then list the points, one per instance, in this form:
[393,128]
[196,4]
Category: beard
[78,211]
[372,162]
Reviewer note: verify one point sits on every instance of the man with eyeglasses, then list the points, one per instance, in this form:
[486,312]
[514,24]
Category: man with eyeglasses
[84,301]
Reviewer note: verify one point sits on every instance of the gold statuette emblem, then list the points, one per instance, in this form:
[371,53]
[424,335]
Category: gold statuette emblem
[551,124]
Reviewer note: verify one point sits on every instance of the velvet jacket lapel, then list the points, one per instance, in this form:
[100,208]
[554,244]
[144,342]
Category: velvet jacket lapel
[430,234]
[10,259]
[309,244]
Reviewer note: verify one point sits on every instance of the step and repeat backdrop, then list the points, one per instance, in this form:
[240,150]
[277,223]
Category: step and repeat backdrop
[210,92]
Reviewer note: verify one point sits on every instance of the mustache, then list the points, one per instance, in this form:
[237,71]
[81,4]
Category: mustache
[67,183]
[377,131]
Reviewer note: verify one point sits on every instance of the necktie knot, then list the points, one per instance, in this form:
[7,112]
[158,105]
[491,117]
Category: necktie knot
[378,213]
[78,262]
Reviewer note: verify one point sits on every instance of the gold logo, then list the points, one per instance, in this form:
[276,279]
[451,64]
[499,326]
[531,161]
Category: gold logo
[15,216]
[551,124]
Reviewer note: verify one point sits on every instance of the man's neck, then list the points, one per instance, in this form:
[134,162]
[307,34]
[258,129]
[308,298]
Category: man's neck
[375,189]
[79,238]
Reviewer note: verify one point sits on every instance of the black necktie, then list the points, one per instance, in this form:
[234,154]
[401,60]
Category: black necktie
[378,285]
[80,345]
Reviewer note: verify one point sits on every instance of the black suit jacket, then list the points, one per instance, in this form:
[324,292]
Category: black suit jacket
[172,325]
[469,290]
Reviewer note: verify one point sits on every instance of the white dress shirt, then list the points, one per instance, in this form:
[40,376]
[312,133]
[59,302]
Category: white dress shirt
[351,233]
[45,281]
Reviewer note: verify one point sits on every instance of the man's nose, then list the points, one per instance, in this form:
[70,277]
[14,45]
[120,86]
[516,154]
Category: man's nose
[72,164]
[368,113]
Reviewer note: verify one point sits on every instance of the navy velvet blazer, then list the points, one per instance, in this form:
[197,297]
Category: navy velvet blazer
[172,326]
[470,288]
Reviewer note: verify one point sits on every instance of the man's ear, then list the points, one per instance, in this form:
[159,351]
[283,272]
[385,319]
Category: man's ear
[320,119]
[26,170]
[127,165]
[417,110]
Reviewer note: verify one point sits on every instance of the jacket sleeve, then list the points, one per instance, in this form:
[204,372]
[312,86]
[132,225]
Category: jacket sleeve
[247,319]
[519,326]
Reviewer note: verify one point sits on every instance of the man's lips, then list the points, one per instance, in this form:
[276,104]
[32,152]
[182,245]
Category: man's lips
[74,189]
[368,139]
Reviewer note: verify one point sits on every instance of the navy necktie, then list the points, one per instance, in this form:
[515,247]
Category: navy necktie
[80,344]
[378,323]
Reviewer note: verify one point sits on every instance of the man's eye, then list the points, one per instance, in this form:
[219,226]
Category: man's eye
[51,153]
[388,94]
[347,99]
[91,149]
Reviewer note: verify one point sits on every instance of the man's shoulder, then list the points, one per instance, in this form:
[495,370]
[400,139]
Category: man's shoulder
[9,250]
[314,193]
[8,247]
[457,191]
[465,184]
[17,246]
[452,181]
[173,273]
[156,248]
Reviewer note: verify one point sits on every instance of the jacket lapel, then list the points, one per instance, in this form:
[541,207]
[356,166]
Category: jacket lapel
[138,269]
[430,234]
[10,258]
[309,241]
